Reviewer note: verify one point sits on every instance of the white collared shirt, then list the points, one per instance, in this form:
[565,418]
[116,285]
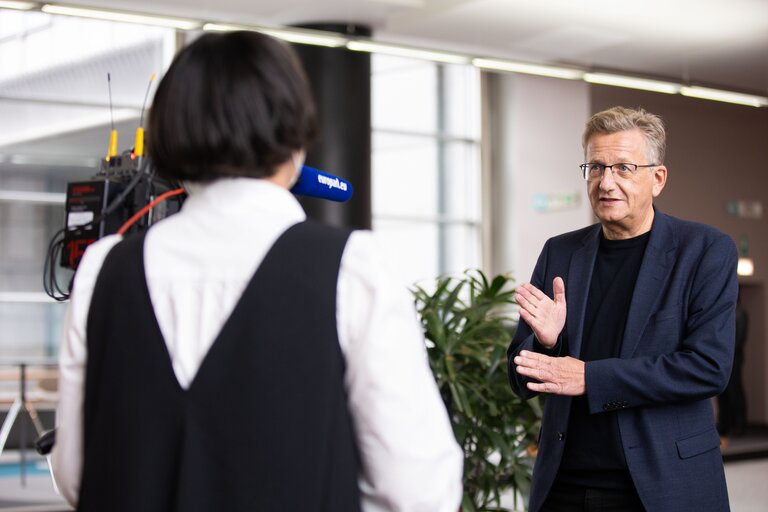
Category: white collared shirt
[199,261]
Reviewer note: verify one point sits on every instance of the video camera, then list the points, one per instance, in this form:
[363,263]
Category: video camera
[124,196]
[102,205]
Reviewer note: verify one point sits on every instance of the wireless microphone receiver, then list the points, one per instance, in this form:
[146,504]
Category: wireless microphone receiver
[314,183]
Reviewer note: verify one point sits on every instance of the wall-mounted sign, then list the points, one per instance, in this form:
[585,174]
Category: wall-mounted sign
[555,201]
[745,209]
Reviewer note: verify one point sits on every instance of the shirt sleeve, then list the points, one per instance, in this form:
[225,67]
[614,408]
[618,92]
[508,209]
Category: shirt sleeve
[410,459]
[67,455]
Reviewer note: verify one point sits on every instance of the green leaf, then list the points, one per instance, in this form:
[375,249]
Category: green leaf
[435,328]
[467,504]
[497,284]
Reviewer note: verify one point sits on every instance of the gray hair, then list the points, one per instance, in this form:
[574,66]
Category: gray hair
[619,119]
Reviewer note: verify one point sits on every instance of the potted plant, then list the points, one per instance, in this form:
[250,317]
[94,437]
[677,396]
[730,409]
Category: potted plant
[468,325]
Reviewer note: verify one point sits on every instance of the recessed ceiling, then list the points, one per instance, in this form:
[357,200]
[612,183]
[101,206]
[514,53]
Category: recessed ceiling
[720,43]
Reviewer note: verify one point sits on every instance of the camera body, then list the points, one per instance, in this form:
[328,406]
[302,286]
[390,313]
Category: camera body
[100,206]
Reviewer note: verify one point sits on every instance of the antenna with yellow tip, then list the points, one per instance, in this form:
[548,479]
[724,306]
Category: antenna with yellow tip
[138,147]
[113,134]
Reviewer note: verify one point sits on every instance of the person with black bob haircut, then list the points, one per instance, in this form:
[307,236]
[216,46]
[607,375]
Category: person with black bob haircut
[236,356]
[234,105]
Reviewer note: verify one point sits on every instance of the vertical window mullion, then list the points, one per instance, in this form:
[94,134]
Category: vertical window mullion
[442,184]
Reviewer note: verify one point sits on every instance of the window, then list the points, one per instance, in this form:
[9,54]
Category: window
[426,165]
[54,127]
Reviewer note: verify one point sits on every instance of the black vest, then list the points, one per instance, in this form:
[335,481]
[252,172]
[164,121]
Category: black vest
[264,425]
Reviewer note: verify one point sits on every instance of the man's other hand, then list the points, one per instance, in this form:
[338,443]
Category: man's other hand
[557,375]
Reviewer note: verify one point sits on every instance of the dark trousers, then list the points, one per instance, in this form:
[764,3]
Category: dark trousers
[573,498]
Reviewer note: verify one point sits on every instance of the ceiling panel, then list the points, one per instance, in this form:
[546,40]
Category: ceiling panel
[719,42]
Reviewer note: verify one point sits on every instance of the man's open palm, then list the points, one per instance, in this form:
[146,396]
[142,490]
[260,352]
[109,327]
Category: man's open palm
[545,316]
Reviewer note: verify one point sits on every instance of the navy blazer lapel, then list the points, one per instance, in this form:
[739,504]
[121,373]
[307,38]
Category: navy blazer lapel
[654,272]
[577,288]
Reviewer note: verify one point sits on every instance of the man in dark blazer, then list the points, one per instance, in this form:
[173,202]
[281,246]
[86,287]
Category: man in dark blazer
[628,327]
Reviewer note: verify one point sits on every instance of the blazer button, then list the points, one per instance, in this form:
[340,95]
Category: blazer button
[561,436]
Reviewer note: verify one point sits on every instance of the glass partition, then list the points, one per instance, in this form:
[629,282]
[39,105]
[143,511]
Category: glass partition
[55,121]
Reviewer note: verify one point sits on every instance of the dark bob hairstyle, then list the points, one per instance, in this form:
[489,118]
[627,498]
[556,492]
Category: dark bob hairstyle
[234,104]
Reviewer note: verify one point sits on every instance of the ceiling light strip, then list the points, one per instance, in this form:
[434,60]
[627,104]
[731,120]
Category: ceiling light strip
[738,98]
[407,51]
[125,17]
[529,69]
[632,82]
[306,37]
[19,6]
[297,35]
[224,27]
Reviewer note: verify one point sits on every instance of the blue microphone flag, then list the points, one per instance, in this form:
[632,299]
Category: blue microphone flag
[315,183]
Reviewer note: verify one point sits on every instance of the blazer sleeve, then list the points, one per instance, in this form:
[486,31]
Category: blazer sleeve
[700,365]
[524,339]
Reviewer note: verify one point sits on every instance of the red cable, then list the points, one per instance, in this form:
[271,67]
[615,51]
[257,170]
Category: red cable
[159,199]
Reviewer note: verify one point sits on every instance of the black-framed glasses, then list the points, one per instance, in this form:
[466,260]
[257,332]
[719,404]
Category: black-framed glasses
[594,170]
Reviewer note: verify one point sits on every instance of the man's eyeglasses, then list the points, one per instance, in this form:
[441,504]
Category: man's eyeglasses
[593,171]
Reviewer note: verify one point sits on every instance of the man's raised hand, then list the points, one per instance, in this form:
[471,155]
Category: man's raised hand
[545,316]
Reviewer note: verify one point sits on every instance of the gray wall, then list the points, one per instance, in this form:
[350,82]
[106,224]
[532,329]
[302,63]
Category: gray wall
[535,127]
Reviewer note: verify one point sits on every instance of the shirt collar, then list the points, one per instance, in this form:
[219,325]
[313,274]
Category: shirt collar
[243,196]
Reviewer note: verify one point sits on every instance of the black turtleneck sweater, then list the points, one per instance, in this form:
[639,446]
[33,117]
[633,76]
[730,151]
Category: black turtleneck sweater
[593,454]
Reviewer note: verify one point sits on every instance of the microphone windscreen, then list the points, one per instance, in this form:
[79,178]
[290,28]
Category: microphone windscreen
[314,183]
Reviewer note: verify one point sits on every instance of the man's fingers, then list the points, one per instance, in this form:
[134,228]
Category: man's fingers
[525,295]
[527,316]
[528,306]
[533,366]
[539,387]
[523,301]
[558,288]
[527,371]
[535,373]
[544,387]
[533,356]
[535,291]
[558,375]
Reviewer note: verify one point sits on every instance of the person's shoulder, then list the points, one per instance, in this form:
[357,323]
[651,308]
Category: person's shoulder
[369,259]
[96,253]
[697,237]
[92,261]
[366,249]
[688,231]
